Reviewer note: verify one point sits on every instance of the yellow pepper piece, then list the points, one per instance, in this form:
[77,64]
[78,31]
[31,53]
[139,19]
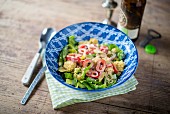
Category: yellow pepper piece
[83,57]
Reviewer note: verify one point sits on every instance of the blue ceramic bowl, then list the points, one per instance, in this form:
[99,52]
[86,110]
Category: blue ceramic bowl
[84,31]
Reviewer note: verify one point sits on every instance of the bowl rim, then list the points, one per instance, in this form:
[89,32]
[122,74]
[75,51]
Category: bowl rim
[97,90]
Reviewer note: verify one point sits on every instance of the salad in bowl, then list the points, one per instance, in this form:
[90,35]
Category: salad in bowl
[88,64]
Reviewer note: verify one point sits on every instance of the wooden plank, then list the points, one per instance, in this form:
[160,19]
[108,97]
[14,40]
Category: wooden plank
[11,65]
[13,106]
[90,108]
[160,81]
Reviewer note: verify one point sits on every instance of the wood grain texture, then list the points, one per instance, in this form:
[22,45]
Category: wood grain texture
[21,22]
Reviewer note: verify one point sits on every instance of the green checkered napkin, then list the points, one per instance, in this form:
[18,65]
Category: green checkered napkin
[62,95]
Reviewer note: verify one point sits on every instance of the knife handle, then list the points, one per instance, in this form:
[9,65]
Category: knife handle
[27,76]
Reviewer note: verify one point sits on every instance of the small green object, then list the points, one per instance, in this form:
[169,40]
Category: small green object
[111,46]
[150,49]
[68,81]
[68,75]
[85,71]
[71,40]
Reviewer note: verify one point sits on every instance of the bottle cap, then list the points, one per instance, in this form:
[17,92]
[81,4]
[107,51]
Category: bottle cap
[150,49]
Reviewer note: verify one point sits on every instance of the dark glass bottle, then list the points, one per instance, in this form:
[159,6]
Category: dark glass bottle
[130,17]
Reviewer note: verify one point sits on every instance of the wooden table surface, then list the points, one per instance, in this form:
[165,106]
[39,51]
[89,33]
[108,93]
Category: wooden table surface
[21,22]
